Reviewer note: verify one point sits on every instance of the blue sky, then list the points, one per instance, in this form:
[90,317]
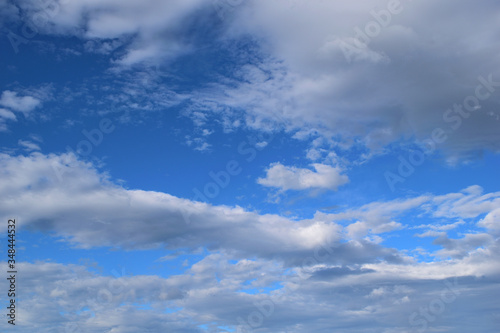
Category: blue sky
[250,166]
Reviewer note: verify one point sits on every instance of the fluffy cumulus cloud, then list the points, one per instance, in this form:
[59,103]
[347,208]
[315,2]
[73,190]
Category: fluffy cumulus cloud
[373,72]
[492,220]
[293,178]
[24,104]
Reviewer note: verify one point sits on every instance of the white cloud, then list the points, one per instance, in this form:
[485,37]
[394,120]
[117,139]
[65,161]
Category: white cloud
[199,144]
[204,146]
[303,81]
[469,203]
[357,230]
[432,233]
[63,188]
[144,26]
[492,220]
[6,114]
[261,144]
[24,104]
[209,292]
[293,178]
[360,229]
[438,229]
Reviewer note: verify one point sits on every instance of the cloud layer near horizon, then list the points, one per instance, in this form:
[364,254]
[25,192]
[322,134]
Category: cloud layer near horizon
[332,264]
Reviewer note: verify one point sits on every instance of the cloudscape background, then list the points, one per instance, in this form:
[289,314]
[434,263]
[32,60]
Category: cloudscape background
[251,166]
